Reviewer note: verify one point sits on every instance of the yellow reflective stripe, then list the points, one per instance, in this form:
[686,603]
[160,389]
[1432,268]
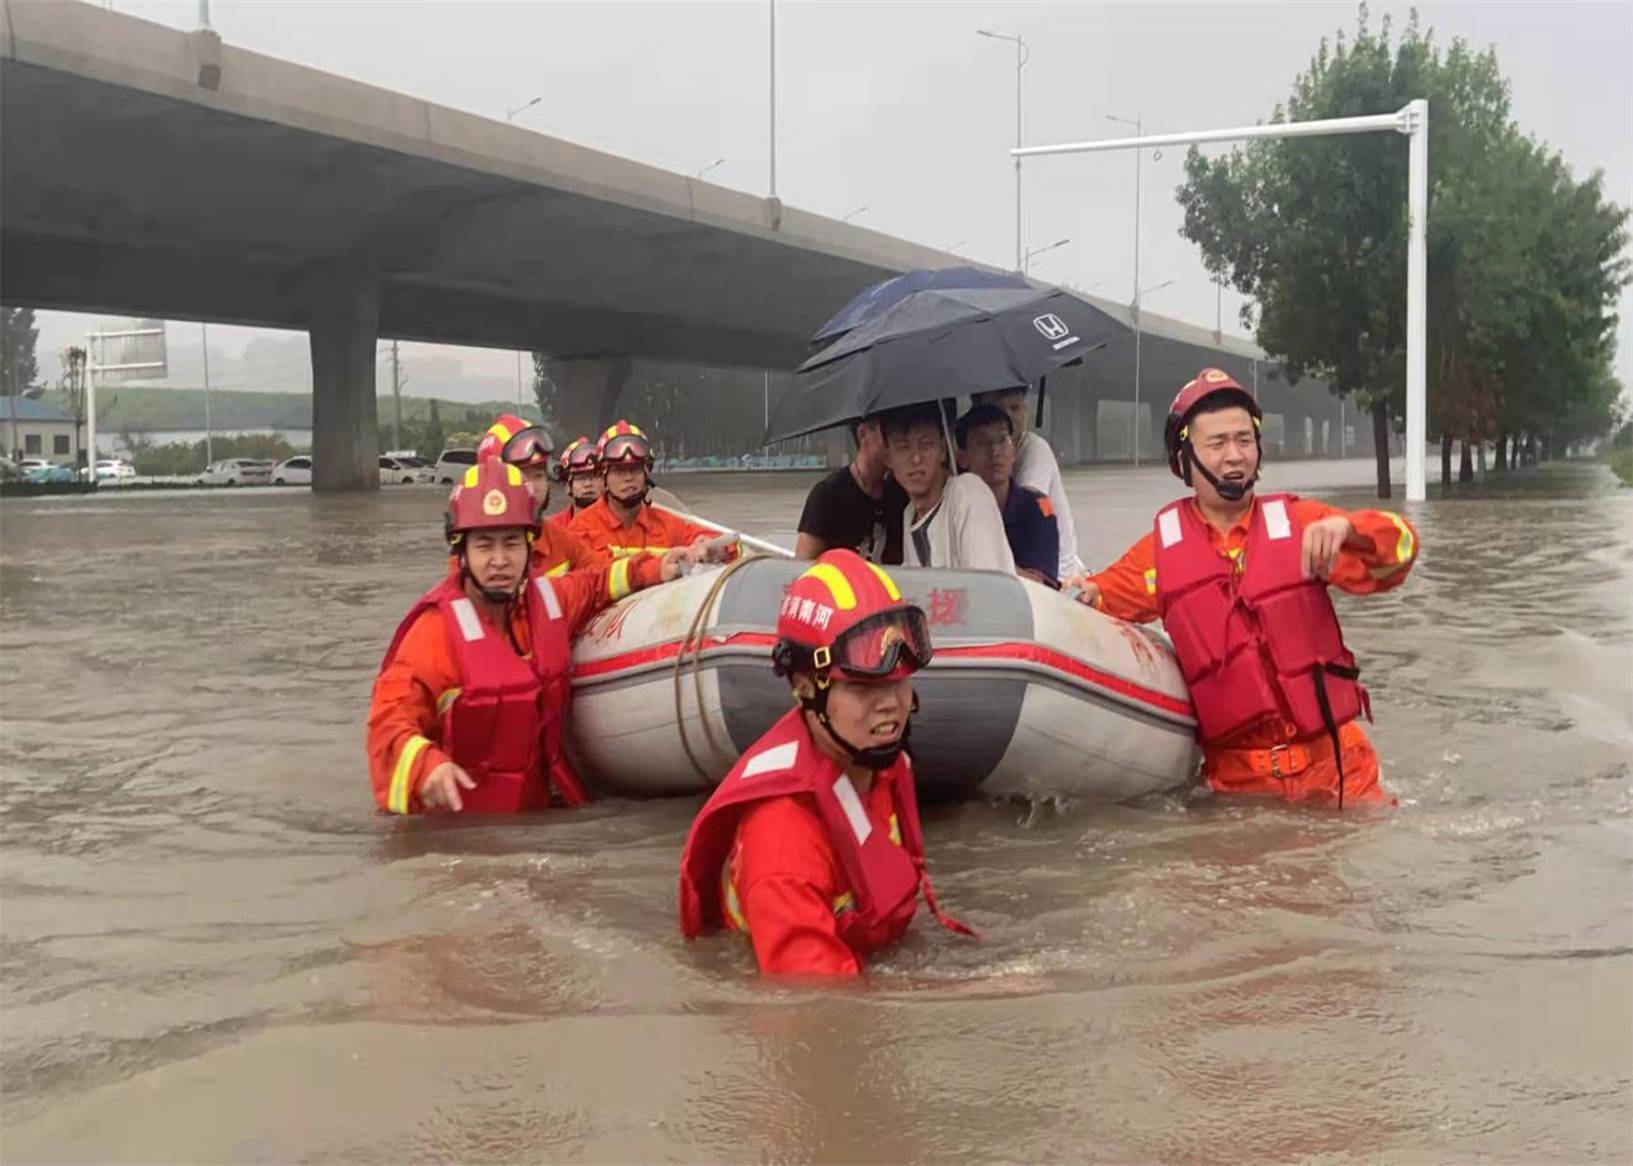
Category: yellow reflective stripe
[618,579]
[728,896]
[1406,545]
[446,699]
[397,796]
[837,584]
[625,552]
[843,903]
[513,475]
[890,584]
[1151,581]
[895,830]
[470,476]
[559,569]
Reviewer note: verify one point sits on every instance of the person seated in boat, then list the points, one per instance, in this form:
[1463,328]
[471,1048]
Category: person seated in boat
[811,845]
[578,469]
[1241,584]
[859,507]
[468,705]
[986,448]
[1037,468]
[556,550]
[951,520]
[622,522]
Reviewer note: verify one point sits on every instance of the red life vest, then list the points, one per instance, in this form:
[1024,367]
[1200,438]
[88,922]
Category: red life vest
[503,725]
[884,878]
[1256,640]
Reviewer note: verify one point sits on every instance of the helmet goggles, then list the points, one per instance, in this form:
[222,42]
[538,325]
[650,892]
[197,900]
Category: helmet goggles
[528,448]
[886,646]
[625,447]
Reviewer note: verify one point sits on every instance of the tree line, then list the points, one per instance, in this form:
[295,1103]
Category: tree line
[1525,261]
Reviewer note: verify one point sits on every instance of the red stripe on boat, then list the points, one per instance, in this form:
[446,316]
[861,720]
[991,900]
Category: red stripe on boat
[1008,650]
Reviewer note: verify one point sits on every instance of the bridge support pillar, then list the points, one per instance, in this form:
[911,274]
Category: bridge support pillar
[343,325]
[587,390]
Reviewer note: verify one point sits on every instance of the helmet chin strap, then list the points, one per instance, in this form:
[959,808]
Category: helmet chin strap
[496,595]
[874,757]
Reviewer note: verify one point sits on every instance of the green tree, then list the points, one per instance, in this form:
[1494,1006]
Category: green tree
[18,337]
[431,437]
[545,392]
[1315,229]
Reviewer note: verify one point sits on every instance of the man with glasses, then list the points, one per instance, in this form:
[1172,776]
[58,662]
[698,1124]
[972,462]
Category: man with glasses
[986,448]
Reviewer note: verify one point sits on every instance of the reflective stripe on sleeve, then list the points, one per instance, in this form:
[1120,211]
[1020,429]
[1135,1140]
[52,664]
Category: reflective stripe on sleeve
[1150,580]
[1406,545]
[447,698]
[559,569]
[618,579]
[397,796]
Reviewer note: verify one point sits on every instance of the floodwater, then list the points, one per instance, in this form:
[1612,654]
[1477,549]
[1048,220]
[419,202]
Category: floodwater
[214,949]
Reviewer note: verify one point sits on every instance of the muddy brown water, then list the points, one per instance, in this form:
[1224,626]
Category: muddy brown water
[214,949]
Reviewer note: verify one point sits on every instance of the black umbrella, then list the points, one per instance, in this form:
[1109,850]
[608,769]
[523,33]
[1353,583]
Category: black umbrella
[879,298]
[939,343]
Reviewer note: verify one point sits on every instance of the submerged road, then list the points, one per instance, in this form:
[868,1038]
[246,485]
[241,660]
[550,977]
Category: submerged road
[214,950]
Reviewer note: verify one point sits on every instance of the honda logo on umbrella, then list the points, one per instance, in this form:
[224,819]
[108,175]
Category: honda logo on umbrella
[1051,326]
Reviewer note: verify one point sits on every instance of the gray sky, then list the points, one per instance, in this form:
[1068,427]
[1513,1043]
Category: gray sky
[902,109]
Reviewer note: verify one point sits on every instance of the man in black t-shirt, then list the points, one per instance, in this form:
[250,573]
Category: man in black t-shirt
[858,507]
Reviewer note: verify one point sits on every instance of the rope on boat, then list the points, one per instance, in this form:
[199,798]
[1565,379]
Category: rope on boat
[695,640]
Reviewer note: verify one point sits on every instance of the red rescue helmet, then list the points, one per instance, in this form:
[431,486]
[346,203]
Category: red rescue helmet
[1208,383]
[621,443]
[491,496]
[846,613]
[529,448]
[493,441]
[578,458]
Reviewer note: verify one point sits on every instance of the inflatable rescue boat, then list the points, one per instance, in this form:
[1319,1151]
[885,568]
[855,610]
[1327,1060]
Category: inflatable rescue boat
[1030,693]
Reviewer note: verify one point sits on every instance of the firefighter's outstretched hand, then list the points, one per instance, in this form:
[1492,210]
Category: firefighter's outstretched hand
[669,568]
[1087,593]
[440,790]
[1323,540]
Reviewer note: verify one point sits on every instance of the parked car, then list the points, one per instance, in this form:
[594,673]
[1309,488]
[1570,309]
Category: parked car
[114,470]
[424,471]
[393,471]
[49,472]
[294,471]
[29,464]
[453,463]
[237,471]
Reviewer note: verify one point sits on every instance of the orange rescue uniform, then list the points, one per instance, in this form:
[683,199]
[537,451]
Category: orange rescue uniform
[652,530]
[1258,760]
[786,889]
[413,692]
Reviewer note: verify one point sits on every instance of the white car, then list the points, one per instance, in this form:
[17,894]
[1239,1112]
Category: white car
[114,470]
[237,471]
[396,470]
[453,463]
[424,471]
[295,471]
[29,464]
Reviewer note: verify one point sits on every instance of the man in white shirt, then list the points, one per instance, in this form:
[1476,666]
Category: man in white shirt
[1037,469]
[951,520]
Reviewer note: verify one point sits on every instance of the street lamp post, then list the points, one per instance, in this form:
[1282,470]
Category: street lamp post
[704,170]
[510,114]
[1134,308]
[1411,120]
[1022,55]
[1026,259]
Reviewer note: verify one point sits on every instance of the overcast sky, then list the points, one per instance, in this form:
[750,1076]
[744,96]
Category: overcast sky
[901,109]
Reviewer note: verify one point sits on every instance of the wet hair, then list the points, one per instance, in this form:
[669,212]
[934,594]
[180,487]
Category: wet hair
[978,416]
[907,417]
[1220,401]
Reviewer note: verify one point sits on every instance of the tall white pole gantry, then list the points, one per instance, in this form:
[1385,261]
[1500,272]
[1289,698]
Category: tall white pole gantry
[1413,121]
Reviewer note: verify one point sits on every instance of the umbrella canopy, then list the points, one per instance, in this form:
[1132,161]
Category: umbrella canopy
[941,343]
[875,300]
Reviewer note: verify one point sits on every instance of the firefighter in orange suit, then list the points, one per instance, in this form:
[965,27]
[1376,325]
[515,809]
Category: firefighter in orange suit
[623,522]
[468,706]
[811,844]
[1241,582]
[578,468]
[556,550]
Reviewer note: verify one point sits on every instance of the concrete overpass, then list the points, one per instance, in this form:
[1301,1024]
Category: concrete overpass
[147,171]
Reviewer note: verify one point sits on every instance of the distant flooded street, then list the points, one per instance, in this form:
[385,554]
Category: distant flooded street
[215,950]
